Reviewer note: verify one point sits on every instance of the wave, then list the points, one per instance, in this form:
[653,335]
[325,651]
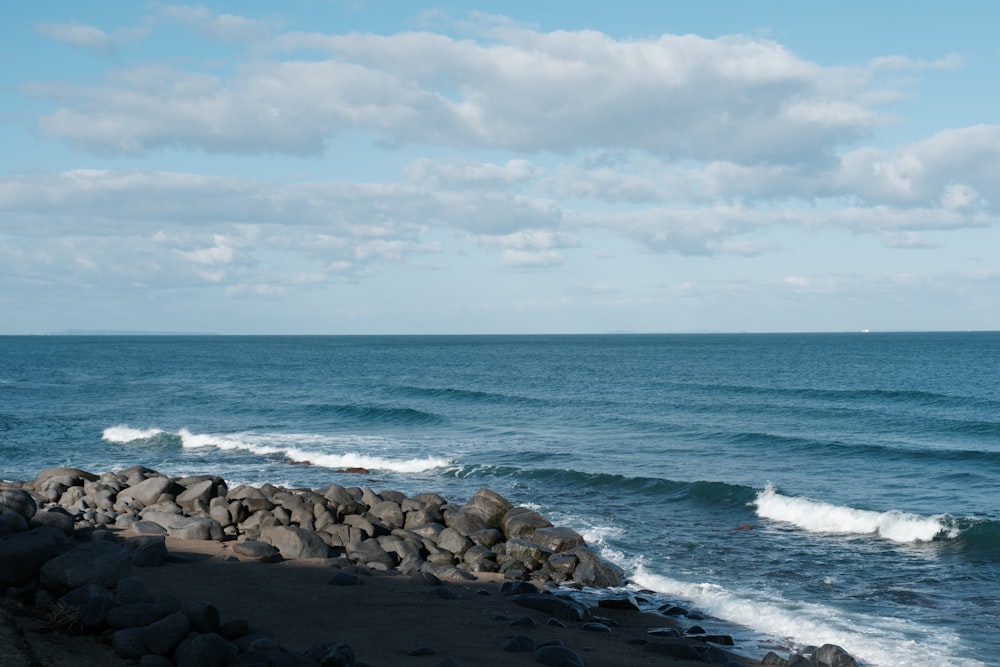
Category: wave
[881,641]
[376,414]
[471,395]
[716,494]
[294,448]
[820,517]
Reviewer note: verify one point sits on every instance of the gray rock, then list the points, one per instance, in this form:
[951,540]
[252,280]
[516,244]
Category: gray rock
[388,512]
[128,643]
[81,475]
[148,550]
[196,496]
[558,656]
[18,501]
[560,606]
[134,615]
[332,654]
[370,551]
[148,491]
[831,655]
[527,551]
[519,644]
[144,527]
[257,549]
[489,505]
[466,523]
[22,555]
[131,590]
[56,517]
[598,574]
[522,522]
[102,563]
[203,616]
[295,542]
[557,539]
[453,541]
[12,522]
[186,527]
[205,650]
[163,636]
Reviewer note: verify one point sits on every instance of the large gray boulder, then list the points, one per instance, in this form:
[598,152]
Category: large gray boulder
[22,555]
[55,517]
[148,491]
[102,563]
[295,542]
[557,538]
[18,501]
[523,522]
[163,636]
[186,527]
[831,655]
[559,606]
[489,505]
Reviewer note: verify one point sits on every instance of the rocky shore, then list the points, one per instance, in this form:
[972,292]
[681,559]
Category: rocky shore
[343,575]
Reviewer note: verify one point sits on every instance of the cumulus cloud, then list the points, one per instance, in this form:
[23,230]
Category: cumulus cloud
[735,98]
[88,37]
[227,27]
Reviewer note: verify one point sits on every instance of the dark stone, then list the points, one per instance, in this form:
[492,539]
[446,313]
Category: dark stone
[257,549]
[831,655]
[695,630]
[599,574]
[22,555]
[332,654]
[519,644]
[523,522]
[205,650]
[144,527]
[102,563]
[295,542]
[595,627]
[148,550]
[557,539]
[518,588]
[18,501]
[203,616]
[525,622]
[672,610]
[128,643]
[151,660]
[345,579]
[625,603]
[131,590]
[663,632]
[555,622]
[421,651]
[163,636]
[559,606]
[55,517]
[558,656]
[466,523]
[489,505]
[134,615]
[234,629]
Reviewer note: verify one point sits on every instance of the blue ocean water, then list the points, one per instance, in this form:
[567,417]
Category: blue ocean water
[799,488]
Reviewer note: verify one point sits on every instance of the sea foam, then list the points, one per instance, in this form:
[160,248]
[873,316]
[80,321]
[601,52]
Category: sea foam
[877,641]
[291,447]
[820,517]
[123,433]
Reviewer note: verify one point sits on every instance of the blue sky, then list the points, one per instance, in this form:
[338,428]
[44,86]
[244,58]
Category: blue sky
[351,167]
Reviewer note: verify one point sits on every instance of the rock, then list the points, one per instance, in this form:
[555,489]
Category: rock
[345,579]
[522,522]
[131,590]
[204,650]
[623,602]
[295,542]
[136,614]
[196,496]
[56,517]
[203,616]
[388,512]
[148,491]
[453,541]
[332,654]
[595,627]
[128,643]
[18,501]
[466,523]
[489,505]
[370,551]
[560,606]
[488,537]
[22,555]
[558,656]
[148,550]
[831,655]
[163,636]
[81,475]
[528,552]
[186,527]
[256,549]
[557,539]
[102,563]
[519,644]
[148,528]
[599,574]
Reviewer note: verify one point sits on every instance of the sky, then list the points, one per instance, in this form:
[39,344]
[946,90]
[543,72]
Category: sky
[352,167]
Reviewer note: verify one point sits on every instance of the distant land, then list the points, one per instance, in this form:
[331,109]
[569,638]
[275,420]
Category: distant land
[105,332]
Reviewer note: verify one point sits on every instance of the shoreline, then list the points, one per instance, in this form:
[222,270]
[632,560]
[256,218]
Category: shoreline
[399,580]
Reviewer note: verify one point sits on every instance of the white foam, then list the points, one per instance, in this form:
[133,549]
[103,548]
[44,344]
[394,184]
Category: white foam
[876,641]
[290,446]
[124,433]
[820,517]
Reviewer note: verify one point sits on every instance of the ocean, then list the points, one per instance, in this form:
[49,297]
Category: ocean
[798,489]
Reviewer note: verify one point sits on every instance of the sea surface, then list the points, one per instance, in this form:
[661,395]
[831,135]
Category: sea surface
[799,489]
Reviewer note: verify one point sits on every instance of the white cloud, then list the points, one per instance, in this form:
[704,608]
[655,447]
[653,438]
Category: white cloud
[84,36]
[227,27]
[734,98]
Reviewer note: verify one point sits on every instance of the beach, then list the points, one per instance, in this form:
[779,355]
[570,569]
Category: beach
[114,577]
